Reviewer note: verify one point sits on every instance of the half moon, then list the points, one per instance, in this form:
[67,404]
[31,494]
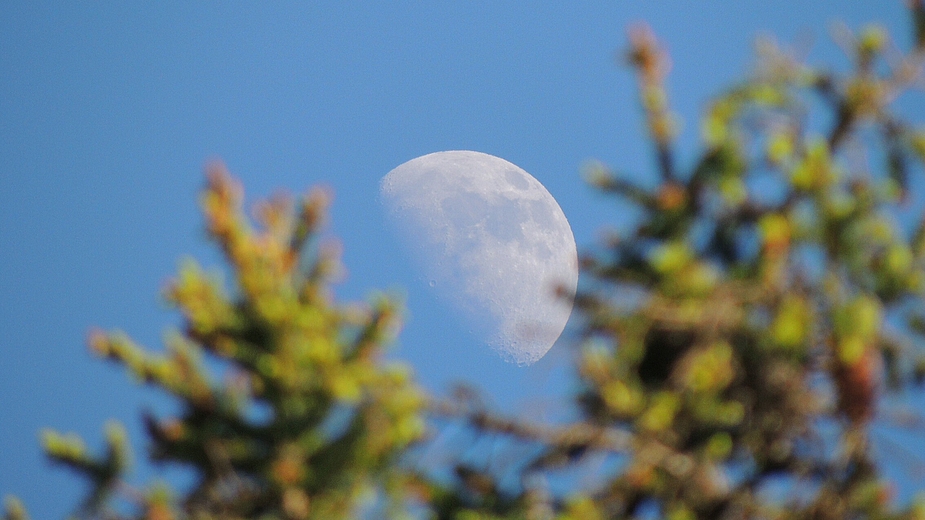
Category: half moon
[493,243]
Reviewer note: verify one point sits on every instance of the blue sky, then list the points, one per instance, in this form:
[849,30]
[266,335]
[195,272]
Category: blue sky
[108,113]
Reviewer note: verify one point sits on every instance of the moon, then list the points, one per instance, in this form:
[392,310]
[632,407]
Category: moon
[492,242]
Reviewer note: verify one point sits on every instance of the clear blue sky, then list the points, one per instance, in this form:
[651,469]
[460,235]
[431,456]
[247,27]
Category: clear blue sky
[108,113]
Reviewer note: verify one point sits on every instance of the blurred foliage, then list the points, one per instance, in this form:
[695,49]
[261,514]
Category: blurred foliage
[737,343]
[287,410]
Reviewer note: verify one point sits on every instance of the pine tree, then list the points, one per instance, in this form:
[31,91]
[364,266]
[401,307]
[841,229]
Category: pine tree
[293,414]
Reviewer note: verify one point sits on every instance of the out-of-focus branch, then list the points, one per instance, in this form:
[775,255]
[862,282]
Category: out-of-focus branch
[570,438]
[865,95]
[652,65]
[917,7]
[597,437]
